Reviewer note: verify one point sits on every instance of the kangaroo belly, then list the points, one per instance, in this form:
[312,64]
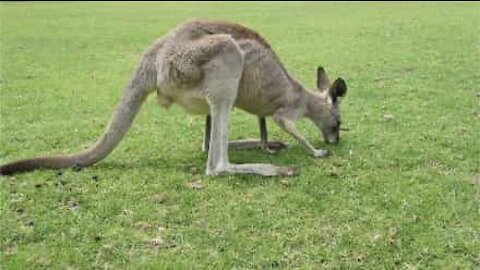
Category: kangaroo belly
[193,105]
[192,100]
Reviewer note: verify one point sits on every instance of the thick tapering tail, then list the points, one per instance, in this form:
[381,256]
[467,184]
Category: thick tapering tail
[142,83]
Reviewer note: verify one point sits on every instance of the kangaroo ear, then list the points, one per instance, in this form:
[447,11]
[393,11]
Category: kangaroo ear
[322,79]
[338,89]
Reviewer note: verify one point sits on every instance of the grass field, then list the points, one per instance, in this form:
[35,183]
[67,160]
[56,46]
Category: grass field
[401,191]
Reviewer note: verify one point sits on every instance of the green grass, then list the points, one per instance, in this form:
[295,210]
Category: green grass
[394,194]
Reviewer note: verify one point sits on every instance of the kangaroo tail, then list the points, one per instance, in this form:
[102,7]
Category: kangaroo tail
[142,83]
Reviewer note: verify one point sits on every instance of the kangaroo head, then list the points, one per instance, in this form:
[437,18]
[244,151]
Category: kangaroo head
[324,106]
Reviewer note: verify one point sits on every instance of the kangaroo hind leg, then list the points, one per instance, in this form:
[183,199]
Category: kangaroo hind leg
[221,77]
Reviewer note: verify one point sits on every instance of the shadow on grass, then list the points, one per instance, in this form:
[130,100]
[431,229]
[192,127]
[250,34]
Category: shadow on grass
[152,164]
[194,165]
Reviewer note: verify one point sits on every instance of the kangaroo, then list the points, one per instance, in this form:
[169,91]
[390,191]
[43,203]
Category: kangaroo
[209,67]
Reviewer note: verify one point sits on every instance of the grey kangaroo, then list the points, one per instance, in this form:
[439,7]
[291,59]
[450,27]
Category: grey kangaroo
[207,68]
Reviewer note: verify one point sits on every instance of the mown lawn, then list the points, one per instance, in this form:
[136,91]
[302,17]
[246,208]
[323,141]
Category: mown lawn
[401,191]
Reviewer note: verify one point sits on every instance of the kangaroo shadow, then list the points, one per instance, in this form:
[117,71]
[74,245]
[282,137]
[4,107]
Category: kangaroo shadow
[194,165]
